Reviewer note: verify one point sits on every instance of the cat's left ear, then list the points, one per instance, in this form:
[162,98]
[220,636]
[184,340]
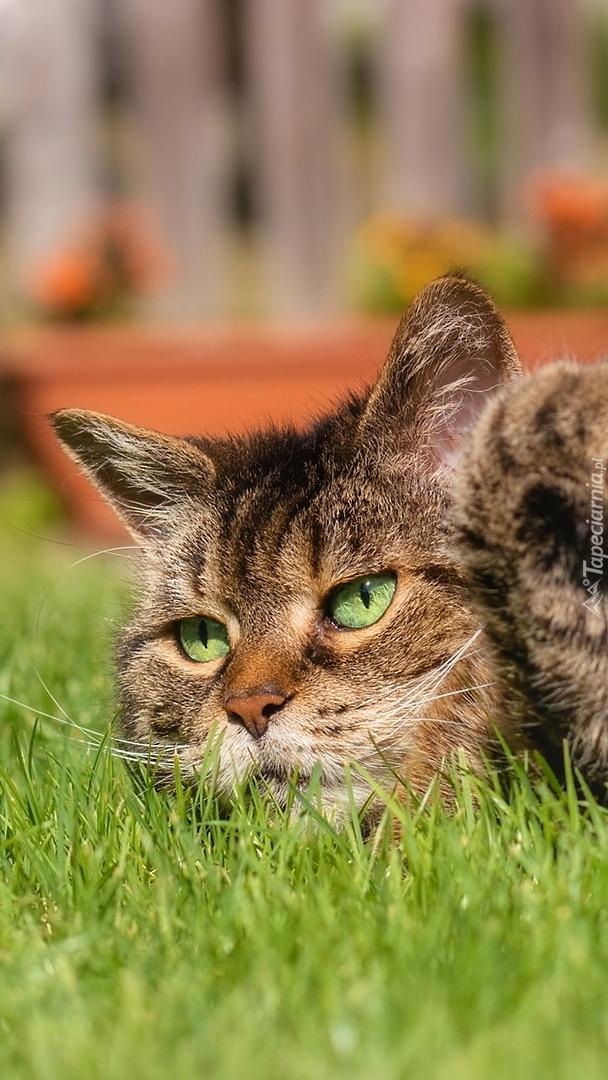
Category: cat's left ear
[451,350]
[140,473]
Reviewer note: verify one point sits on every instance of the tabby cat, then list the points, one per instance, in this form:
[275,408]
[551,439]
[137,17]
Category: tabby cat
[418,570]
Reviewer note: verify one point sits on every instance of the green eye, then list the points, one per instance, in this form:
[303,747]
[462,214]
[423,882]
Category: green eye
[362,601]
[203,639]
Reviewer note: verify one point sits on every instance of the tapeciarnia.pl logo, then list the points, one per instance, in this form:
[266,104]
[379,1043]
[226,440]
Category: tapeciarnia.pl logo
[593,571]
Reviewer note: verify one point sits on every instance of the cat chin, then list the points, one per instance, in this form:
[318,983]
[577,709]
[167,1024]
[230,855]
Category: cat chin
[335,802]
[322,786]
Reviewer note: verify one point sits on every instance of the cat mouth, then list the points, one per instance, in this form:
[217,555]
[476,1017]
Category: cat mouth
[273,775]
[300,791]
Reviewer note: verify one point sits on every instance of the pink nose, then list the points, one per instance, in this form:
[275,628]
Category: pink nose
[255,709]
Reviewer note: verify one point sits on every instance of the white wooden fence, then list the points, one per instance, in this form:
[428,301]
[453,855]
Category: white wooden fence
[293,119]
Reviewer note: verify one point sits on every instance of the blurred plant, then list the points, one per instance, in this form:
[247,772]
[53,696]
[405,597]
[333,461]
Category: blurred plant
[27,504]
[394,257]
[571,213]
[511,270]
[563,260]
[99,275]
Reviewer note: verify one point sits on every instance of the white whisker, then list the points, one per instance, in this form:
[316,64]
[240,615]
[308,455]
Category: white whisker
[397,709]
[150,752]
[51,695]
[78,562]
[432,677]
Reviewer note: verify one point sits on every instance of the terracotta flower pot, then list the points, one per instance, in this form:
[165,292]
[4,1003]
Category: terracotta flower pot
[219,379]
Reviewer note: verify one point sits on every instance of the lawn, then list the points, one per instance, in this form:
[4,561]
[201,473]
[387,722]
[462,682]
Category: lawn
[149,936]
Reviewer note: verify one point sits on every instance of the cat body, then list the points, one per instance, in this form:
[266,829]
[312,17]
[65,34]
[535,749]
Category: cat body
[317,599]
[532,504]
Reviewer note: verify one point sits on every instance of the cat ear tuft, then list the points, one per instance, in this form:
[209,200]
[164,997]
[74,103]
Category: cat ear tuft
[139,472]
[450,351]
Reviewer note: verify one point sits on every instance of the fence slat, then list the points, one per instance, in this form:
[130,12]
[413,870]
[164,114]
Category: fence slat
[50,79]
[179,110]
[422,108]
[295,108]
[546,92]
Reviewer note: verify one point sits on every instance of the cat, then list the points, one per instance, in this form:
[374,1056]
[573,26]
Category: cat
[418,574]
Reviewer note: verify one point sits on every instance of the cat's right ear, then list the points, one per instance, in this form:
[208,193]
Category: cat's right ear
[451,351]
[140,473]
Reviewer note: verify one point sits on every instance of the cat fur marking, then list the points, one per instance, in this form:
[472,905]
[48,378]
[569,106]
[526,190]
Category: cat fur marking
[256,531]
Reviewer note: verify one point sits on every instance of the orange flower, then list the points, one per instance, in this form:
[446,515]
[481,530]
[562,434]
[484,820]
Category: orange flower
[563,200]
[68,281]
[113,258]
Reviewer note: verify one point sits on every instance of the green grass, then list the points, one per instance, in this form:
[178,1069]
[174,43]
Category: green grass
[146,936]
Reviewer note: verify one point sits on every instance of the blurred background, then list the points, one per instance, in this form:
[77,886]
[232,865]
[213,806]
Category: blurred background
[298,157]
[204,162]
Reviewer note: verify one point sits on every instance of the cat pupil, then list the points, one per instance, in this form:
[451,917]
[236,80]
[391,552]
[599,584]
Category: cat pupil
[364,593]
[202,633]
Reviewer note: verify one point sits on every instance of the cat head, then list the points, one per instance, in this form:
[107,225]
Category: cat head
[300,601]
